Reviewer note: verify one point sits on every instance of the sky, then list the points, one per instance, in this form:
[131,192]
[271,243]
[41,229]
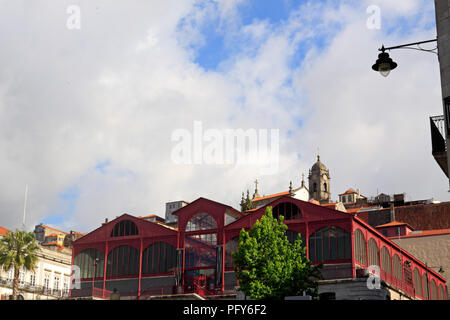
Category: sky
[92,92]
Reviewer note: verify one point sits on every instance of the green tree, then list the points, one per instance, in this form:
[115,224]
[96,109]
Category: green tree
[268,266]
[18,250]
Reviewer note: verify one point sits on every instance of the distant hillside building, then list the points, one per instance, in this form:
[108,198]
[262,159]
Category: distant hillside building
[171,207]
[318,189]
[319,182]
[50,279]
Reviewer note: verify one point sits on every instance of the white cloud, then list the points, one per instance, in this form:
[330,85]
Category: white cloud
[116,89]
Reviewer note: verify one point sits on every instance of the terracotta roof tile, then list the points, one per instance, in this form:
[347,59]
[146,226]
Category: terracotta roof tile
[271,196]
[349,191]
[3,231]
[47,227]
[393,224]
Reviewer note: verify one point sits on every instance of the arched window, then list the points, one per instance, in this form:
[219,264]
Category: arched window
[288,210]
[85,261]
[441,292]
[360,247]
[425,286]
[124,228]
[314,187]
[374,254]
[201,221]
[329,243]
[231,246]
[386,262]
[123,261]
[434,293]
[325,187]
[417,282]
[397,268]
[159,257]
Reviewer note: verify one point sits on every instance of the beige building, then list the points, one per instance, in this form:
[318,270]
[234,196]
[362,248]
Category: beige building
[50,279]
[430,246]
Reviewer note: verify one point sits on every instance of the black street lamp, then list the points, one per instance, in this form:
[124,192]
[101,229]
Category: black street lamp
[385,64]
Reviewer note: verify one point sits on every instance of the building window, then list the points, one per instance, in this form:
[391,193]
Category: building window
[201,221]
[417,283]
[360,247]
[160,257]
[123,261]
[46,281]
[32,279]
[425,286]
[397,268]
[56,283]
[10,274]
[325,187]
[200,250]
[21,277]
[386,261]
[374,254]
[124,228]
[315,187]
[231,246]
[328,244]
[85,261]
[434,294]
[66,285]
[288,210]
[441,292]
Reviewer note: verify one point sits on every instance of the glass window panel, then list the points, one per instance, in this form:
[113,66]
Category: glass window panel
[312,248]
[124,228]
[347,246]
[333,243]
[319,246]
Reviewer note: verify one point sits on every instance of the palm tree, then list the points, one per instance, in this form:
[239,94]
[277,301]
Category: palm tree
[18,250]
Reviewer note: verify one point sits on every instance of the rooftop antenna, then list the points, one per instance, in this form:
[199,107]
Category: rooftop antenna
[25,207]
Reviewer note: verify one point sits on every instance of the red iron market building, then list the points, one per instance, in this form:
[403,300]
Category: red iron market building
[141,258]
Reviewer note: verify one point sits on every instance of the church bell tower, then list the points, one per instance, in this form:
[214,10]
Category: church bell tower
[319,182]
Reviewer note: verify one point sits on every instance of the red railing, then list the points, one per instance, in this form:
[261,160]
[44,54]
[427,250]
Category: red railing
[397,283]
[345,272]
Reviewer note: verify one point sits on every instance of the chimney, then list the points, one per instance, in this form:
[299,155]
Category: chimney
[392,211]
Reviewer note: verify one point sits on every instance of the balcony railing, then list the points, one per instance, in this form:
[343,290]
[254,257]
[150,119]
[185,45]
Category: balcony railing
[35,289]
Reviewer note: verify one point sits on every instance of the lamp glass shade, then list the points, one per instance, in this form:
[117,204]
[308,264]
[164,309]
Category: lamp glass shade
[384,69]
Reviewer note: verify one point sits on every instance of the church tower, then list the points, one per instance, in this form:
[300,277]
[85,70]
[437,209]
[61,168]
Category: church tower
[319,182]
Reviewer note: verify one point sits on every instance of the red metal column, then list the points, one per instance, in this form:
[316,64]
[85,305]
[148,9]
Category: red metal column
[223,260]
[352,249]
[140,269]
[104,268]
[307,240]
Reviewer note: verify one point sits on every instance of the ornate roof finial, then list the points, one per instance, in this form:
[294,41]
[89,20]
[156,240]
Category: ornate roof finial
[256,194]
[303,179]
[291,192]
